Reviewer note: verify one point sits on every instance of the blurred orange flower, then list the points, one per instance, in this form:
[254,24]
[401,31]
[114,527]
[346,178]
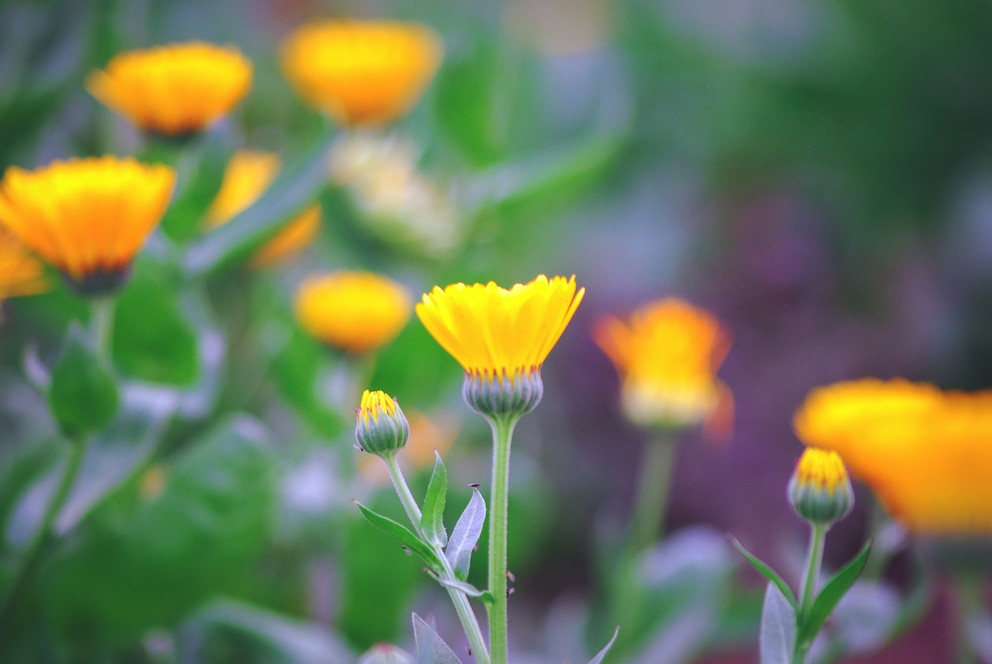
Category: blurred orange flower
[247,176]
[356,312]
[20,271]
[176,89]
[86,217]
[667,356]
[361,73]
[925,453]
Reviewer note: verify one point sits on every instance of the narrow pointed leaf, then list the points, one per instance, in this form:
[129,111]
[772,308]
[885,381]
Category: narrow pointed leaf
[466,535]
[403,534]
[778,628]
[831,594]
[431,648]
[766,572]
[466,588]
[598,659]
[432,520]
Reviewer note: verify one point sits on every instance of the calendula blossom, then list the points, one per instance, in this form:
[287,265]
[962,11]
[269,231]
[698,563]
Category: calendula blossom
[667,355]
[381,428]
[925,453]
[500,336]
[20,271]
[246,177]
[353,311]
[173,90]
[361,73]
[86,217]
[820,490]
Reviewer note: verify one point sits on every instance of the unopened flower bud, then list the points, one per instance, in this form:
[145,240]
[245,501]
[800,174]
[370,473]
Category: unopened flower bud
[820,490]
[382,428]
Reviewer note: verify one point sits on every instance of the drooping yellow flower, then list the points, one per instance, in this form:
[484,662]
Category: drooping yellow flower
[667,356]
[20,272]
[86,217]
[926,454]
[356,311]
[361,73]
[247,176]
[820,490]
[176,89]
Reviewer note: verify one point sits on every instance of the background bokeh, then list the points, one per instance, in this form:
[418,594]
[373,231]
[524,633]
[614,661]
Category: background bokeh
[818,175]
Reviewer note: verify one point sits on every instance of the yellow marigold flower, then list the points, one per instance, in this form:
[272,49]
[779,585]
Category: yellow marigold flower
[667,356]
[86,217]
[20,272]
[382,428]
[820,490]
[926,454]
[361,73]
[247,176]
[173,90]
[354,311]
[500,336]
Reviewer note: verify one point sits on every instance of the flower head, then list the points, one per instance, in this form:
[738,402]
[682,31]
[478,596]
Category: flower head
[247,176]
[667,356]
[86,217]
[382,428]
[20,272]
[173,90]
[361,73]
[926,454]
[820,490]
[500,336]
[354,311]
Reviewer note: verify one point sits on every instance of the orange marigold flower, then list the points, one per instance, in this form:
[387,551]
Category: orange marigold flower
[354,311]
[173,90]
[667,356]
[86,217]
[925,453]
[20,271]
[361,73]
[247,176]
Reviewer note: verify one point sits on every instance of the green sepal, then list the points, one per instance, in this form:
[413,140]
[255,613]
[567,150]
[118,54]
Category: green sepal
[598,659]
[466,535]
[767,572]
[83,395]
[403,534]
[432,519]
[826,601]
[777,640]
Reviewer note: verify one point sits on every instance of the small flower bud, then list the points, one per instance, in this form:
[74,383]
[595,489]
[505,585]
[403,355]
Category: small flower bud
[820,490]
[382,427]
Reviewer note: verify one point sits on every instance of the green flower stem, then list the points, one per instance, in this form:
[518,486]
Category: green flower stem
[502,428]
[460,601]
[968,598]
[814,562]
[33,554]
[102,326]
[652,491]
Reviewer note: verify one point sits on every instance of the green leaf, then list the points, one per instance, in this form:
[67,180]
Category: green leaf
[831,594]
[598,659]
[466,535]
[431,648]
[767,572]
[778,628]
[297,186]
[83,396]
[432,519]
[403,534]
[200,180]
[462,586]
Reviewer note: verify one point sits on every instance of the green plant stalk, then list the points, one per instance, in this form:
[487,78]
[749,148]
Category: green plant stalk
[502,428]
[460,601]
[33,554]
[968,599]
[102,326]
[814,562]
[652,491]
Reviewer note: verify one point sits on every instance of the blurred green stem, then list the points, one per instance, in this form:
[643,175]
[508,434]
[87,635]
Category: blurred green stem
[460,601]
[967,590]
[652,491]
[814,562]
[102,326]
[33,553]
[502,428]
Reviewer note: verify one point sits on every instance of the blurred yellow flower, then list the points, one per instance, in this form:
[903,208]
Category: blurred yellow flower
[20,271]
[361,73]
[354,311]
[926,454]
[496,332]
[667,356]
[86,217]
[173,90]
[247,176]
